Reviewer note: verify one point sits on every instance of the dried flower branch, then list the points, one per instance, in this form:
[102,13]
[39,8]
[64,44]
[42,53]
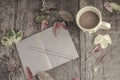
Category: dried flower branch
[13,65]
[99,60]
[47,7]
[44,5]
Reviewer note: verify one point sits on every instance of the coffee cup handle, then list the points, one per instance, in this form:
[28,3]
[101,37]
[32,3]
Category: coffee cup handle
[105,25]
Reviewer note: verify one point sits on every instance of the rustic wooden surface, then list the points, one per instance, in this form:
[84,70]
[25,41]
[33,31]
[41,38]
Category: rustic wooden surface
[20,15]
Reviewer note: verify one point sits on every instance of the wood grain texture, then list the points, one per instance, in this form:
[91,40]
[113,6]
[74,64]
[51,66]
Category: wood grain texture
[7,12]
[71,69]
[108,68]
[21,14]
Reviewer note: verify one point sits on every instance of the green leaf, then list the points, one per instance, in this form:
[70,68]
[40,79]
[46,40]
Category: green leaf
[6,41]
[12,37]
[40,18]
[18,36]
[11,34]
[115,6]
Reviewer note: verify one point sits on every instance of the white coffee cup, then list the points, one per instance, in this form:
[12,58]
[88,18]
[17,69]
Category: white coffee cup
[100,25]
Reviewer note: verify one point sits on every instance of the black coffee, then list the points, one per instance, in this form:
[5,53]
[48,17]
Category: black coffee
[89,20]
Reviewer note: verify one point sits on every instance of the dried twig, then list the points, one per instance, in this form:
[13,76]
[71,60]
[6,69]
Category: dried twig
[12,63]
[44,5]
[99,60]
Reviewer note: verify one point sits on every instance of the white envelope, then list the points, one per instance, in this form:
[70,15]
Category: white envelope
[39,61]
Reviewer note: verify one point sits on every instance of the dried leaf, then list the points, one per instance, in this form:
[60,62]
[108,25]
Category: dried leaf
[29,73]
[44,76]
[44,24]
[58,25]
[66,16]
[96,49]
[12,65]
[103,40]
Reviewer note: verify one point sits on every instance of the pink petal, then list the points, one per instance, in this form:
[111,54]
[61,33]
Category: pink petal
[62,24]
[108,6]
[76,79]
[29,73]
[55,29]
[96,49]
[58,25]
[44,24]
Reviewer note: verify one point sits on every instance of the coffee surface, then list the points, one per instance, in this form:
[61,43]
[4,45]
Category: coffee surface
[89,20]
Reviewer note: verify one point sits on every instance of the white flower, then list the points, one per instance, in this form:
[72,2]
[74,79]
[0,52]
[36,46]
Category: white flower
[11,38]
[6,41]
[18,37]
[103,40]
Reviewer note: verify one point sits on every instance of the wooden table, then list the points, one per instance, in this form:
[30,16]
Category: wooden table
[20,15]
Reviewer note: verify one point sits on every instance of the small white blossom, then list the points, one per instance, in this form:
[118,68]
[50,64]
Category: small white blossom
[11,38]
[103,40]
[6,41]
[18,37]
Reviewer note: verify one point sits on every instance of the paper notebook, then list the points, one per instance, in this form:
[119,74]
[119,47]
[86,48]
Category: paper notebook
[61,50]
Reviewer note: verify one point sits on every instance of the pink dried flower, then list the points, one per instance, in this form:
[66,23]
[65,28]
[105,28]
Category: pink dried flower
[44,24]
[96,49]
[76,79]
[29,73]
[58,25]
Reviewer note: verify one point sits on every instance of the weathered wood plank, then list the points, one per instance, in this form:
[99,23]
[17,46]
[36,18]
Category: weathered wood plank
[86,47]
[71,69]
[7,12]
[17,15]
[108,69]
[111,63]
[27,11]
[20,15]
[25,22]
